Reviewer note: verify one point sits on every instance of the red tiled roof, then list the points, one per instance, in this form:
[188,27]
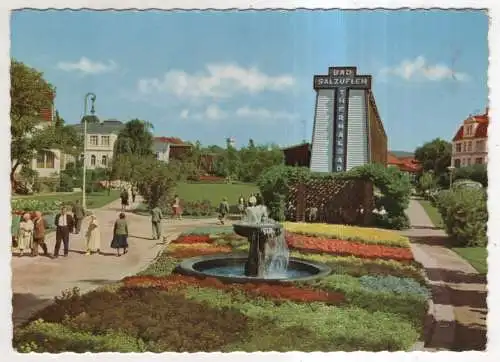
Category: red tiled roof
[393,160]
[171,140]
[483,121]
[408,164]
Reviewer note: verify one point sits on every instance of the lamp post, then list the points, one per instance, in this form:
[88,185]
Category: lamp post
[92,97]
[451,169]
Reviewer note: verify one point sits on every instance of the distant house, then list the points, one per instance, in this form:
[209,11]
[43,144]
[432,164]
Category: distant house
[167,148]
[101,138]
[470,141]
[46,163]
[404,163]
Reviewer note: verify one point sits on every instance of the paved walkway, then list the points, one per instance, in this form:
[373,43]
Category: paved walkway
[36,281]
[459,307]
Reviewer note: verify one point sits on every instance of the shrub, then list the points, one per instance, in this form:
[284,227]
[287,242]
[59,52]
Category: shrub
[364,235]
[198,208]
[394,185]
[478,173]
[465,216]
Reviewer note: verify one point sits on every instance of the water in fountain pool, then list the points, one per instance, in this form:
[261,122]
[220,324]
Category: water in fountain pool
[238,270]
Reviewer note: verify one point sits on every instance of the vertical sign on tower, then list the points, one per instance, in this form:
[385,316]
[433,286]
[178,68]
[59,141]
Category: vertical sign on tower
[341,113]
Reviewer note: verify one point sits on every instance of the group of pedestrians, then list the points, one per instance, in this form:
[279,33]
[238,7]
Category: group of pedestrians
[31,233]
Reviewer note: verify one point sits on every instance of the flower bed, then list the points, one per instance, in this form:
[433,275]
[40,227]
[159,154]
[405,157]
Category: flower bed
[274,292]
[342,247]
[192,239]
[182,251]
[344,232]
[20,206]
[374,300]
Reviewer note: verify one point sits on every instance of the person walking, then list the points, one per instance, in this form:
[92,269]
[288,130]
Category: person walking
[156,216]
[252,200]
[39,235]
[64,223]
[78,216]
[241,205]
[223,210]
[93,236]
[176,207]
[134,193]
[120,235]
[25,234]
[124,199]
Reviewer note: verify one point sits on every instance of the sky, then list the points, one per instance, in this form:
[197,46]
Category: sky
[211,75]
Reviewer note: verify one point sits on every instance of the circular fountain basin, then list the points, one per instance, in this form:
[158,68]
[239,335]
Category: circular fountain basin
[231,268]
[246,229]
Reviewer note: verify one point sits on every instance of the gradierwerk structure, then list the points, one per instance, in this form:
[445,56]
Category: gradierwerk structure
[348,131]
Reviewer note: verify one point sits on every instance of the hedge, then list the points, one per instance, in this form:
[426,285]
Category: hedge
[395,188]
[465,215]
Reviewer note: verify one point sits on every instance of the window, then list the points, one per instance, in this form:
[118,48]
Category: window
[45,159]
[480,146]
[92,160]
[105,140]
[104,160]
[468,161]
[94,140]
[40,160]
[457,163]
[469,146]
[479,161]
[49,159]
[458,148]
[468,130]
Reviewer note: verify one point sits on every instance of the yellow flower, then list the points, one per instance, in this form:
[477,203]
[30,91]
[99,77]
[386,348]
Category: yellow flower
[344,232]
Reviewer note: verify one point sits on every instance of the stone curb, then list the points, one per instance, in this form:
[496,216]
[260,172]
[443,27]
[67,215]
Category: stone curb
[442,329]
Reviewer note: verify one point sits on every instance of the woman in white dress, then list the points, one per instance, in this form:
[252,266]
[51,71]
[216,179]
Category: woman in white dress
[93,236]
[25,234]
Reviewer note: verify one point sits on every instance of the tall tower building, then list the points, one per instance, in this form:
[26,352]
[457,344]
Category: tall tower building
[348,131]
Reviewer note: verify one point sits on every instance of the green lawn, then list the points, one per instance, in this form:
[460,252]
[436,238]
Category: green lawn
[432,212]
[476,256]
[214,192]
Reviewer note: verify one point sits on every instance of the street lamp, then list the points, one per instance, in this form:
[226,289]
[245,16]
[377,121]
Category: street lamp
[92,97]
[451,169]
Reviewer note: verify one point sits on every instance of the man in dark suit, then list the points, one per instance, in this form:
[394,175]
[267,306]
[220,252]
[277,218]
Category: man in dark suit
[78,215]
[64,224]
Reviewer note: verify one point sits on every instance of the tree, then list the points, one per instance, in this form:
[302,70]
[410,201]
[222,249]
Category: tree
[30,94]
[426,182]
[136,138]
[478,173]
[435,156]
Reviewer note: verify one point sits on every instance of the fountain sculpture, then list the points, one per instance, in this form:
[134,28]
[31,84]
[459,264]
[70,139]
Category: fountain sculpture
[267,260]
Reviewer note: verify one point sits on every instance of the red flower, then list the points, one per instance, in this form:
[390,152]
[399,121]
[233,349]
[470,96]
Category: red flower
[192,239]
[342,247]
[205,250]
